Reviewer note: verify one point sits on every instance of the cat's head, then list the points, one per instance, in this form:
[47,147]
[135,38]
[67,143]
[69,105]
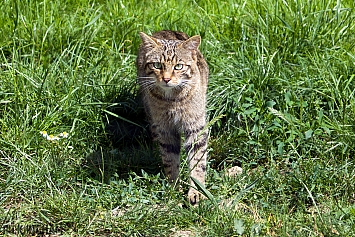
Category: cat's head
[170,63]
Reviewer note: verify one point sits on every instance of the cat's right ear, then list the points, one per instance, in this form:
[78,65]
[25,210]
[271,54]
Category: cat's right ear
[148,41]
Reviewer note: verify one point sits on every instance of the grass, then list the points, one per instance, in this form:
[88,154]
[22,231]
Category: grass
[281,102]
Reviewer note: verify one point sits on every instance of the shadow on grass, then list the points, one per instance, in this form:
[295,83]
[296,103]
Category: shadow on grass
[127,146]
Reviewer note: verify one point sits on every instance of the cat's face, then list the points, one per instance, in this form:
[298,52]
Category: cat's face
[169,64]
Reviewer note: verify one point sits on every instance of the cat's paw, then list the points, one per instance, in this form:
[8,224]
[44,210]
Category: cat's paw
[194,196]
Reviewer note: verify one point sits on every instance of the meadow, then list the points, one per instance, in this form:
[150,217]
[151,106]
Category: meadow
[75,153]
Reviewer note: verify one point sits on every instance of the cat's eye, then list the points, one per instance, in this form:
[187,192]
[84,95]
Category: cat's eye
[178,66]
[157,65]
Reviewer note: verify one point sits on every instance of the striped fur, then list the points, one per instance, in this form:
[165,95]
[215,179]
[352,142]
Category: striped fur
[173,77]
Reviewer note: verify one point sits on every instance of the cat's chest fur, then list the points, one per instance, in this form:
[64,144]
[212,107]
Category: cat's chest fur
[176,114]
[179,110]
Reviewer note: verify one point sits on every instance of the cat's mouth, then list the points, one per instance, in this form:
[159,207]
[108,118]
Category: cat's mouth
[167,86]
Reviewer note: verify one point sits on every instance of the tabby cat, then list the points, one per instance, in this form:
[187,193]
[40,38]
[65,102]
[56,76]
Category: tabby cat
[173,77]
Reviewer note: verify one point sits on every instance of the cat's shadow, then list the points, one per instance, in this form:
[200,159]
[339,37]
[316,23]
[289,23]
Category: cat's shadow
[127,146]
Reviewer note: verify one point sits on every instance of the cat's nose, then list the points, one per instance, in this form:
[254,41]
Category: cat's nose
[166,79]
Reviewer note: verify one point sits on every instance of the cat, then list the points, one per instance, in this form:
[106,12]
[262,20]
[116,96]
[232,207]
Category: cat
[173,78]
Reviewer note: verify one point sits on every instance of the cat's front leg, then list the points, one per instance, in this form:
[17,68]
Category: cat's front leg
[196,148]
[169,142]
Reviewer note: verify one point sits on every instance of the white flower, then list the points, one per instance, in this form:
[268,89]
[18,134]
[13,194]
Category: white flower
[44,134]
[64,134]
[52,138]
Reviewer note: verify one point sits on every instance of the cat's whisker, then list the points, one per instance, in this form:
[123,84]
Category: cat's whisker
[146,82]
[146,86]
[145,77]
[185,84]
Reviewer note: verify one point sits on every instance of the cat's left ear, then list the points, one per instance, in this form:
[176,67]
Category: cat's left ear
[192,43]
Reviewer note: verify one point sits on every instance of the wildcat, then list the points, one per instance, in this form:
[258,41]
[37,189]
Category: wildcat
[173,78]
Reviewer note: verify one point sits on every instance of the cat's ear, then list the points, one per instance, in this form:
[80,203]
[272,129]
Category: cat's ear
[192,43]
[148,41]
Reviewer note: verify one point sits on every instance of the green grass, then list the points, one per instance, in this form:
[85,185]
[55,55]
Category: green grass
[281,102]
